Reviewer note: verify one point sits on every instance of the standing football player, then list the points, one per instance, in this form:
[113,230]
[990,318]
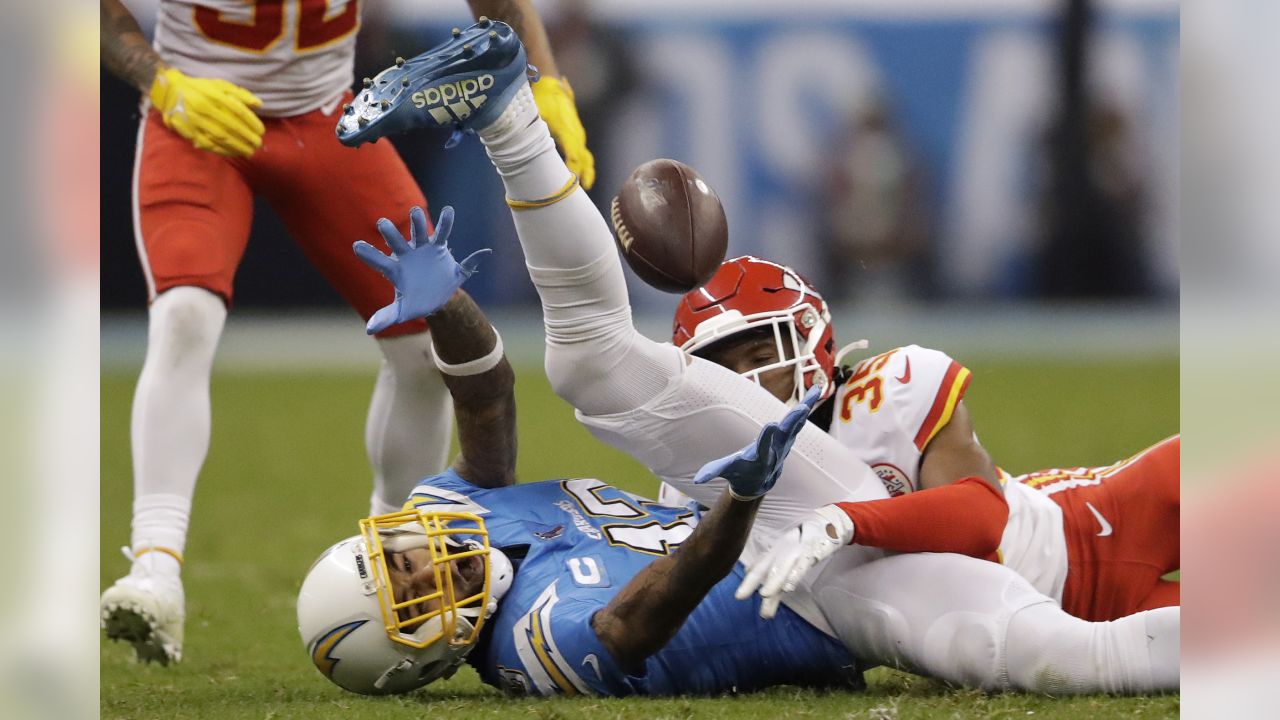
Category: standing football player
[1099,540]
[239,101]
[951,617]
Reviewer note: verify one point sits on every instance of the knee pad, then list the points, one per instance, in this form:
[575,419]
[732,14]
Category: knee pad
[618,371]
[968,648]
[186,322]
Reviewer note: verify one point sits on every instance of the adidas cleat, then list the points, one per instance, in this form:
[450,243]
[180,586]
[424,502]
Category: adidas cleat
[461,84]
[147,612]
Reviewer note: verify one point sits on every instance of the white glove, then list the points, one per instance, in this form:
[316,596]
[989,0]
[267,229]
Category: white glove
[795,551]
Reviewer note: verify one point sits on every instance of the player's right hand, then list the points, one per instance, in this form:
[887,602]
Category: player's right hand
[422,269]
[752,471]
[793,554]
[213,114]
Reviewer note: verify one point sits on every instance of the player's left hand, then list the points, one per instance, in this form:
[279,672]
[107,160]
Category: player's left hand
[793,554]
[424,274]
[555,104]
[753,470]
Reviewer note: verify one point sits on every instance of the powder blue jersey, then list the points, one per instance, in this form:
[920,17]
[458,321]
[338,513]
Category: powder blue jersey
[575,543]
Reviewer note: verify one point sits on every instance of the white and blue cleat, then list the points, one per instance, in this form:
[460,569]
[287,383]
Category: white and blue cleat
[461,84]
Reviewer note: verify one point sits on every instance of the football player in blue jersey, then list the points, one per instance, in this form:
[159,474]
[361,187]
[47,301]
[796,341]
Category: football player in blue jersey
[379,604]
[557,587]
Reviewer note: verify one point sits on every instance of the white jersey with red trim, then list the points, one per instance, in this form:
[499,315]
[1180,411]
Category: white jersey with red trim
[888,411]
[891,407]
[894,404]
[1034,543]
[296,55]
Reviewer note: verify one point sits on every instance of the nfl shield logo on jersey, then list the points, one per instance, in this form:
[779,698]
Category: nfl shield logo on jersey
[895,481]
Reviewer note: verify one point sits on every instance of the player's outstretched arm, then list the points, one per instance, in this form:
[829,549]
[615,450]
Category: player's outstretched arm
[650,609]
[468,351]
[552,93]
[482,383]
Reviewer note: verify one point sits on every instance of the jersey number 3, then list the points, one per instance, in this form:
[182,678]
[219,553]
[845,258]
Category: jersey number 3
[317,27]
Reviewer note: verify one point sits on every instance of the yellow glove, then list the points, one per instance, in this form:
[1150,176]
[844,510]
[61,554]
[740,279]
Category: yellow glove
[555,105]
[213,114]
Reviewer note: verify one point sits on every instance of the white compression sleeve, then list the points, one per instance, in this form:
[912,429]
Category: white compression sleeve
[171,419]
[595,358]
[410,421]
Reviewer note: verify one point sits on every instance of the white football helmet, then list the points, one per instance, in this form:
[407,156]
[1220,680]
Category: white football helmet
[355,630]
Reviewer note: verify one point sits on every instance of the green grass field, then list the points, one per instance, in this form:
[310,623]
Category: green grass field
[287,475]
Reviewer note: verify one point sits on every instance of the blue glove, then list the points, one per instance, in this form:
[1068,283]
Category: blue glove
[424,274]
[753,470]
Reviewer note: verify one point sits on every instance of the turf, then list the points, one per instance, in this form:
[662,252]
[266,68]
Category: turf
[287,474]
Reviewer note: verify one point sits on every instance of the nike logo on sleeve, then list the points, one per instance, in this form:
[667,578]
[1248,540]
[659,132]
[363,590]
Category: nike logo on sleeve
[1102,522]
[906,374]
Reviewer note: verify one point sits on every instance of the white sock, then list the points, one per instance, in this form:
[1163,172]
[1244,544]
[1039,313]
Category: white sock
[171,420]
[159,521]
[1163,628]
[574,266]
[568,236]
[410,421]
[1057,654]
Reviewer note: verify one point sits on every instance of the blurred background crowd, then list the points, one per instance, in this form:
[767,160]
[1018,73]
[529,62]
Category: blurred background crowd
[894,152]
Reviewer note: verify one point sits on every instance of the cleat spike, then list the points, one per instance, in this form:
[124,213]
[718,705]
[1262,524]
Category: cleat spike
[404,82]
[399,62]
[493,34]
[363,121]
[368,82]
[386,104]
[466,49]
[483,20]
[456,32]
[347,109]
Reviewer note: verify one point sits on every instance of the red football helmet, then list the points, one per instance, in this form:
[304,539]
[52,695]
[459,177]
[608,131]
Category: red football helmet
[748,293]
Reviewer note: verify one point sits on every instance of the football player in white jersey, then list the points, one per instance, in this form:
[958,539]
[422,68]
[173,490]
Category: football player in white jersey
[239,101]
[952,617]
[1098,540]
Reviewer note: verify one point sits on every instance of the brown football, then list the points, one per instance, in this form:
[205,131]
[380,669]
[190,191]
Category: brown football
[670,226]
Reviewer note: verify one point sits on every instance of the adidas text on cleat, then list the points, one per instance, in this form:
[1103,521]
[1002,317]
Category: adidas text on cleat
[147,612]
[461,84]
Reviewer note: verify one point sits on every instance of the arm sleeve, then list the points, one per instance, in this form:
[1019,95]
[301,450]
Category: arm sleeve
[966,517]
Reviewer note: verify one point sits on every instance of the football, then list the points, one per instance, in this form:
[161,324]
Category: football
[670,226]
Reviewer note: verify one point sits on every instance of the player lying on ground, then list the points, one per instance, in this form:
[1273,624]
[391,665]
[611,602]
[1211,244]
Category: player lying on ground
[568,586]
[951,617]
[1098,540]
[561,586]
[239,102]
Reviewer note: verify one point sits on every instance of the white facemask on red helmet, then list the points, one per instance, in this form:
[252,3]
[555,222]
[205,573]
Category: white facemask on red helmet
[747,293]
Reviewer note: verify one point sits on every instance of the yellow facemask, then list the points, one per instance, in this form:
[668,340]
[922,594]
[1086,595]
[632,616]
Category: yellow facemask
[447,537]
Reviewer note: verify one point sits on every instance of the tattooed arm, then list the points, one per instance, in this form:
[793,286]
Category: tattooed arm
[650,609]
[524,19]
[125,50]
[484,405]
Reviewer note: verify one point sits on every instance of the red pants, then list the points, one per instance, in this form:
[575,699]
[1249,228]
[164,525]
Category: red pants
[1121,524]
[194,208]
